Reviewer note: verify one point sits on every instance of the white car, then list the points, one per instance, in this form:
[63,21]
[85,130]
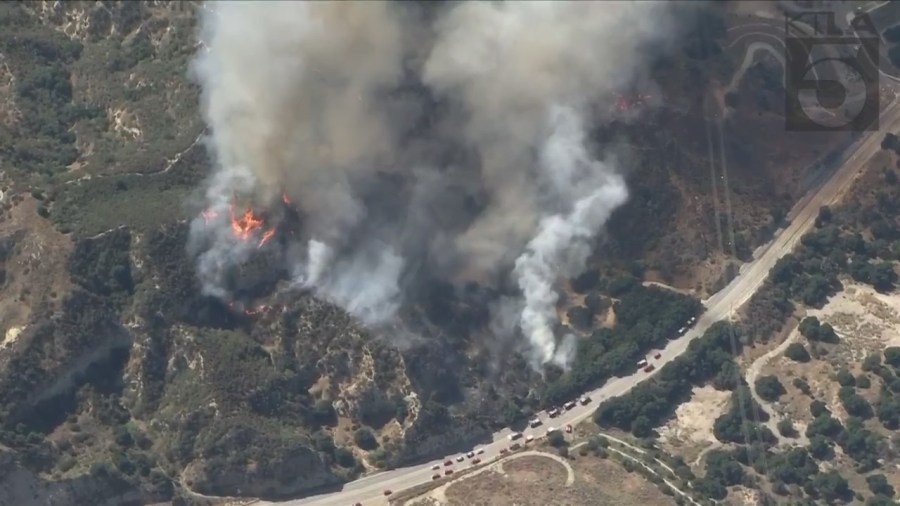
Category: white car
[460,458]
[551,430]
[514,436]
[584,400]
[480,451]
[470,454]
[534,422]
[569,405]
[529,438]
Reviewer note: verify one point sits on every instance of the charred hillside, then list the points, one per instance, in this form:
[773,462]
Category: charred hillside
[128,376]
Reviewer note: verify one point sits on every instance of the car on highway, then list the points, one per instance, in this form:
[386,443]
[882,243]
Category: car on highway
[534,422]
[553,413]
[470,454]
[448,462]
[514,436]
[387,492]
[568,429]
[642,363]
[448,472]
[657,355]
[551,430]
[584,400]
[479,451]
[460,458]
[529,438]
[475,462]
[435,467]
[514,446]
[504,450]
[436,476]
[569,405]
[649,368]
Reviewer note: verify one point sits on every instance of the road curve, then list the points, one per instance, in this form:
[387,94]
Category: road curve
[369,490]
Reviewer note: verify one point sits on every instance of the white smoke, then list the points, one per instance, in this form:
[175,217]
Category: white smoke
[564,241]
[306,98]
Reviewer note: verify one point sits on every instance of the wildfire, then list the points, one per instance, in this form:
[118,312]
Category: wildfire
[246,225]
[624,103]
[256,310]
[209,215]
[252,311]
[266,236]
[285,199]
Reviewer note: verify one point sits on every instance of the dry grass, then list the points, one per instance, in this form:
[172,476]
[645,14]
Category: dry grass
[539,481]
[34,266]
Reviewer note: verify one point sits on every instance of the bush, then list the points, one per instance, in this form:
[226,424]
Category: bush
[802,385]
[323,412]
[845,379]
[365,438]
[892,356]
[818,408]
[344,457]
[786,428]
[811,329]
[556,439]
[769,388]
[862,381]
[797,352]
[878,484]
[854,404]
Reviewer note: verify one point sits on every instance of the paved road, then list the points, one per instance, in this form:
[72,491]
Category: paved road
[369,490]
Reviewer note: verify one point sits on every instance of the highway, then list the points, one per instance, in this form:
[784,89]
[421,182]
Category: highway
[370,489]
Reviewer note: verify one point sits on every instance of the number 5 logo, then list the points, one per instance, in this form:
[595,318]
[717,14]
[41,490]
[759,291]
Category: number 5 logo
[831,84]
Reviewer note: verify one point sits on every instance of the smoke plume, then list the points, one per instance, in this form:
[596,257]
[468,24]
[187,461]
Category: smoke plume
[449,140]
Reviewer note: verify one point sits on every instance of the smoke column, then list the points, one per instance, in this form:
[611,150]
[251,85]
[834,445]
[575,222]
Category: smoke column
[302,98]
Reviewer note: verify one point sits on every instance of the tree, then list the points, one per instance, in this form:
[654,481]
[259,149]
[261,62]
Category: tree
[871,362]
[878,484]
[831,486]
[323,412]
[344,457]
[844,378]
[786,428]
[892,356]
[818,408]
[769,388]
[723,468]
[862,381]
[324,442]
[854,404]
[365,438]
[820,448]
[556,439]
[824,216]
[809,327]
[824,425]
[797,352]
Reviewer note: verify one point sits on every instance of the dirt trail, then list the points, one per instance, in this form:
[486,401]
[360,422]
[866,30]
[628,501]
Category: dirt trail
[751,376]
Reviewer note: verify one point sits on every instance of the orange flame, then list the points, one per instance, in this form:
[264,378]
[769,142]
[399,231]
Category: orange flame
[256,311]
[285,199]
[246,225]
[266,236]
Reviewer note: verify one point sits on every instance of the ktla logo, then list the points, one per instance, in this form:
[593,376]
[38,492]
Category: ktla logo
[831,78]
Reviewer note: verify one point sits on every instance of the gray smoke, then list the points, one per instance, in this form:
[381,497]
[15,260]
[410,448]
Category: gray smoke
[483,170]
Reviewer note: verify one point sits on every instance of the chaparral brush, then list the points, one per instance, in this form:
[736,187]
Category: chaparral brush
[457,152]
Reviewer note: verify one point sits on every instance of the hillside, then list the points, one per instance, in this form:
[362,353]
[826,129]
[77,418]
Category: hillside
[121,381]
